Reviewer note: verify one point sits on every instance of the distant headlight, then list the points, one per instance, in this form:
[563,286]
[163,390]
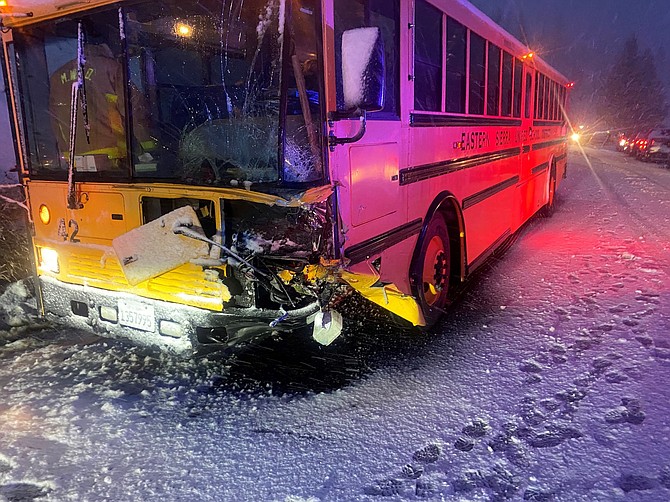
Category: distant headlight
[48,260]
[622,142]
[575,137]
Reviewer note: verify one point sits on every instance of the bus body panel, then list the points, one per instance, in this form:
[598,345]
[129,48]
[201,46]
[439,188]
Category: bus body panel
[485,188]
[366,175]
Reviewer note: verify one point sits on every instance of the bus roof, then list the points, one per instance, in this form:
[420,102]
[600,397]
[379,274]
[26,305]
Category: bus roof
[461,10]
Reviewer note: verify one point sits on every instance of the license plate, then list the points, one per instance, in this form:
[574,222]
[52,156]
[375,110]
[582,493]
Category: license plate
[137,315]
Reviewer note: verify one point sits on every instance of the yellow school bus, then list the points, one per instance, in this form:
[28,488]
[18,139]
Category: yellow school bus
[208,173]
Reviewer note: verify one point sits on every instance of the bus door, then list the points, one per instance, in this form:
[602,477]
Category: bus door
[366,172]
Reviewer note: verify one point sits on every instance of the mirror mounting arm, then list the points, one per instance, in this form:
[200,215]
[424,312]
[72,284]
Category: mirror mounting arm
[333,140]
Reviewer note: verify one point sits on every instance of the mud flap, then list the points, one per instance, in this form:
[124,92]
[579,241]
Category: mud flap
[153,249]
[387,296]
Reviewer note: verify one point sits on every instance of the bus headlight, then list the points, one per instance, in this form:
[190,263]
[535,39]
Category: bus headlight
[575,137]
[48,260]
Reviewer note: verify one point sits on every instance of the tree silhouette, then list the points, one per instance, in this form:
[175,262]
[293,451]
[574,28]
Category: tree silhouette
[632,97]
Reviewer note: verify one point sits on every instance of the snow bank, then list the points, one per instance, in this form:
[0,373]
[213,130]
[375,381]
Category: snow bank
[11,312]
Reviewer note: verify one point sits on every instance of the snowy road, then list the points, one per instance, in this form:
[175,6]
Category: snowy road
[547,381]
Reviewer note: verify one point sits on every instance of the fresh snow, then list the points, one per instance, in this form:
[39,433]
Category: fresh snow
[357,46]
[547,380]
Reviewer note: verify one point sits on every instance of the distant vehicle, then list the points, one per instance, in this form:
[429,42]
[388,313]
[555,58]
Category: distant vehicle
[655,146]
[623,141]
[635,143]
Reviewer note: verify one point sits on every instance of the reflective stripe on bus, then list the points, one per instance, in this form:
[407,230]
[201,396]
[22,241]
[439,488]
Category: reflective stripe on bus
[427,171]
[370,247]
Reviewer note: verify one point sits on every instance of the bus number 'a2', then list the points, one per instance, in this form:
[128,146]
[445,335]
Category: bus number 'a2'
[63,230]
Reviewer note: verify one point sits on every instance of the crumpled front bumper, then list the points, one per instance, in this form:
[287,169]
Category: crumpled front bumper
[191,328]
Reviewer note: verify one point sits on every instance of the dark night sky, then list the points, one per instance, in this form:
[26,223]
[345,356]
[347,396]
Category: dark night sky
[581,38]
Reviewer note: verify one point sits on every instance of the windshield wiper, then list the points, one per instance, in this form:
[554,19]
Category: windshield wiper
[78,93]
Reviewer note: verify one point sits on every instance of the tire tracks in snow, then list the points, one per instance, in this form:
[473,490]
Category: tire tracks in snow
[634,217]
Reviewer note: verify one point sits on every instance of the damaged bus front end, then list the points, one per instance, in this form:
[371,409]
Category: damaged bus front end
[176,162]
[177,183]
[173,283]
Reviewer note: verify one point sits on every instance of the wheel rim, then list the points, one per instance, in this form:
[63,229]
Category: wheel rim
[435,271]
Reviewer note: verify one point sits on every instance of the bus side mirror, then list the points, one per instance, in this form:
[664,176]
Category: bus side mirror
[363,69]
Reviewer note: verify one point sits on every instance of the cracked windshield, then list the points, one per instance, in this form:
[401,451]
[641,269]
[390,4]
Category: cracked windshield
[217,94]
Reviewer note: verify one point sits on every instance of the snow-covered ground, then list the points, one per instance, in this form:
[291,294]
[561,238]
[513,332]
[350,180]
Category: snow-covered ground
[548,380]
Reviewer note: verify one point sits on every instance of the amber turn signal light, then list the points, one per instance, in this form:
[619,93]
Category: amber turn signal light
[45,214]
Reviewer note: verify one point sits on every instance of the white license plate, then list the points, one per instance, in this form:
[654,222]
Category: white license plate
[137,315]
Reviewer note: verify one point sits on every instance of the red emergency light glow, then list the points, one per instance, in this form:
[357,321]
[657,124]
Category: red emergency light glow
[570,85]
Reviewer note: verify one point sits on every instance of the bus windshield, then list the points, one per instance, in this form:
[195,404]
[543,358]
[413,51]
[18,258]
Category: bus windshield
[216,92]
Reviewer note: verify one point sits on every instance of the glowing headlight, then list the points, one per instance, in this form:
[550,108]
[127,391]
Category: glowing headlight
[49,260]
[575,137]
[622,142]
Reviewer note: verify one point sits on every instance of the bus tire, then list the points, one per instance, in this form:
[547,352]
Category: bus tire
[432,270]
[548,209]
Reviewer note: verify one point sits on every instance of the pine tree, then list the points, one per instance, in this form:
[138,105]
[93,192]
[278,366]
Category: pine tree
[632,97]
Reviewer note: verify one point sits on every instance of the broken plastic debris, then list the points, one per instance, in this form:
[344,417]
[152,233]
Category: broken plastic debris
[327,327]
[153,248]
[388,297]
[311,196]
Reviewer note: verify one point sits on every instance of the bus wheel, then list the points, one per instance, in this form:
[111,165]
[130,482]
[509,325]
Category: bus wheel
[548,208]
[433,269]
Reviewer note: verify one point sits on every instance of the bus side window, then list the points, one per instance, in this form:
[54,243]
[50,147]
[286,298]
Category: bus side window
[540,104]
[427,57]
[507,85]
[477,74]
[529,85]
[456,66]
[385,15]
[518,80]
[493,80]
